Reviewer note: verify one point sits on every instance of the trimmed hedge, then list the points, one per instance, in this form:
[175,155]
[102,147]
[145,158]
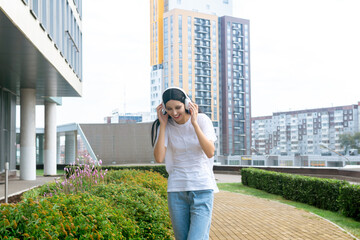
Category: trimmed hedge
[329,194]
[350,201]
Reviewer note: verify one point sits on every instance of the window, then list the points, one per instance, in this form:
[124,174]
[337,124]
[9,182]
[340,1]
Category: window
[180,28]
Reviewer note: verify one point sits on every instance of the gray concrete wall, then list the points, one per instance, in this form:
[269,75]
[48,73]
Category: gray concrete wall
[120,143]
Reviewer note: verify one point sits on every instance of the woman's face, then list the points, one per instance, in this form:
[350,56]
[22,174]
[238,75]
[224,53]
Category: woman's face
[176,110]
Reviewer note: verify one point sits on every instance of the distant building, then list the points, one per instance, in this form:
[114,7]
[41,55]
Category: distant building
[304,132]
[127,117]
[120,143]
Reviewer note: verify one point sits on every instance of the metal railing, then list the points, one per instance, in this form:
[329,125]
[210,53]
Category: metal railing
[289,161]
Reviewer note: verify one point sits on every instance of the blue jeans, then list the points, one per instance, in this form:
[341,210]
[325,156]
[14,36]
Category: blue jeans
[190,214]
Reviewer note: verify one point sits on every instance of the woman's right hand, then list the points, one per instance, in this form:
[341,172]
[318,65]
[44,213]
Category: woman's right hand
[162,118]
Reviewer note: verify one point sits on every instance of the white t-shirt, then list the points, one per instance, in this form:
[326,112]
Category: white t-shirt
[188,166]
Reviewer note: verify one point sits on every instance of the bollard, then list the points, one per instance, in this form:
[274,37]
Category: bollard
[6,181]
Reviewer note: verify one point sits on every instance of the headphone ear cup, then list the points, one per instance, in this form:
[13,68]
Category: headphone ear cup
[163,108]
[187,103]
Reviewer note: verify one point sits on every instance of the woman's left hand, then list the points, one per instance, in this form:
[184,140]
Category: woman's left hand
[194,110]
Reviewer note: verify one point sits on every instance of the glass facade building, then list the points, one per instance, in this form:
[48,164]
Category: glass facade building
[40,62]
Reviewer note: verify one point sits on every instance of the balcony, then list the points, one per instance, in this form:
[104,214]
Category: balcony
[200,29]
[202,80]
[203,89]
[202,22]
[200,58]
[203,66]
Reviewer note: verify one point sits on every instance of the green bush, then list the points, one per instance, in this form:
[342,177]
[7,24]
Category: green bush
[350,201]
[146,179]
[128,204]
[152,168]
[143,205]
[80,216]
[41,191]
[319,192]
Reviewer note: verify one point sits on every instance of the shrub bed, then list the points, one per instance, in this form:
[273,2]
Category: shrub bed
[80,216]
[152,168]
[126,204]
[323,193]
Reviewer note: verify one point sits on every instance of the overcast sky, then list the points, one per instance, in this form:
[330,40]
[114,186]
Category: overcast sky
[304,54]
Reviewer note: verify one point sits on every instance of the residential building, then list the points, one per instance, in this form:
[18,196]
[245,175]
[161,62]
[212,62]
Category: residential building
[304,132]
[118,117]
[189,53]
[235,86]
[40,62]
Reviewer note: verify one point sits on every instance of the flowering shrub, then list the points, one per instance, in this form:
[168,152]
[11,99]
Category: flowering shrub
[147,179]
[160,168]
[81,177]
[80,216]
[143,205]
[89,204]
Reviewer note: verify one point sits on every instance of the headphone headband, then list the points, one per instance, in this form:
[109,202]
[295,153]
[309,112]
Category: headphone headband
[187,99]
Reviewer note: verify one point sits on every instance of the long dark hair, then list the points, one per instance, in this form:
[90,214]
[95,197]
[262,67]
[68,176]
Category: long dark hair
[169,94]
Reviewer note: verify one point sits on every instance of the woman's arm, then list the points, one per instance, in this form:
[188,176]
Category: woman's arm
[207,145]
[160,149]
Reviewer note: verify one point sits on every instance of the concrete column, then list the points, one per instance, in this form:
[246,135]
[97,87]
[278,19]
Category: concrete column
[27,134]
[58,149]
[70,147]
[50,139]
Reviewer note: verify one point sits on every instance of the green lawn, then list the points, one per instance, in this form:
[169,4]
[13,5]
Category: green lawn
[346,223]
[40,172]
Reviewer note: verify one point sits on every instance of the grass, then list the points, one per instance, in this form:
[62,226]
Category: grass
[346,223]
[40,172]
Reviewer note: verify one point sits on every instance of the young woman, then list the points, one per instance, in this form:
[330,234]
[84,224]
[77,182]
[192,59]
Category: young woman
[184,138]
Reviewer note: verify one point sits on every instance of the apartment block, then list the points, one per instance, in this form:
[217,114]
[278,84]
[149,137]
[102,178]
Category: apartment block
[206,52]
[304,132]
[235,86]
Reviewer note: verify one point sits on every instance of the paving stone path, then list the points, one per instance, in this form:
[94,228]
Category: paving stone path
[238,216]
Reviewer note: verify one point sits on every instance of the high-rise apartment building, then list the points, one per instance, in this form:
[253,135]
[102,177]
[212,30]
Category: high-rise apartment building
[191,57]
[40,62]
[189,53]
[156,54]
[305,132]
[172,21]
[235,86]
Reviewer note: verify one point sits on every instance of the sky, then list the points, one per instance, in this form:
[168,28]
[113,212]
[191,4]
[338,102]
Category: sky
[304,54]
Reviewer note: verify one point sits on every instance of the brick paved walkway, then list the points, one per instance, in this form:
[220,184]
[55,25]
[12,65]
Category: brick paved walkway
[237,216]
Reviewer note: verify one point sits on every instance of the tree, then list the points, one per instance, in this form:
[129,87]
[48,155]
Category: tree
[350,141]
